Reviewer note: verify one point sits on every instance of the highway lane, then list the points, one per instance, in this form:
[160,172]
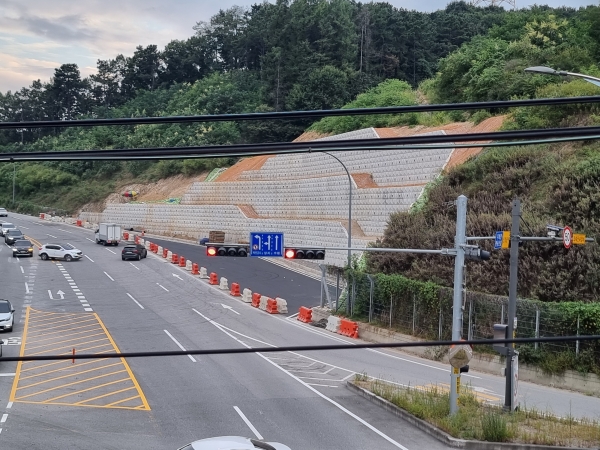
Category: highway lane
[144,307]
[252,326]
[253,273]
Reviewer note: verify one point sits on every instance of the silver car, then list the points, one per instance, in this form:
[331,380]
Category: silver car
[233,443]
[59,251]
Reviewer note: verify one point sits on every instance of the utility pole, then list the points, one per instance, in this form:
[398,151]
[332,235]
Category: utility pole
[460,240]
[14,175]
[515,237]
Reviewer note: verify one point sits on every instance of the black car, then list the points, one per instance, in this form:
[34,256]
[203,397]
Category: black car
[10,236]
[134,251]
[22,247]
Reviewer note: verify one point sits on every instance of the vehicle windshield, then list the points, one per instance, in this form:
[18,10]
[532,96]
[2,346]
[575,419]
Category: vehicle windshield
[14,232]
[8,225]
[4,307]
[22,244]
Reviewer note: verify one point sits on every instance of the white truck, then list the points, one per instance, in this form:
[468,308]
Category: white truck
[108,234]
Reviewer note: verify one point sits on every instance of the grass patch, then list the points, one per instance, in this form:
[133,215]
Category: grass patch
[478,421]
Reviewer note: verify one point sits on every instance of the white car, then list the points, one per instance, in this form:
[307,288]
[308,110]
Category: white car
[3,212]
[59,251]
[7,317]
[233,443]
[6,226]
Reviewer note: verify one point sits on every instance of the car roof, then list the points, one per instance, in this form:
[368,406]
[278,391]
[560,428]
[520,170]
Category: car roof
[7,223]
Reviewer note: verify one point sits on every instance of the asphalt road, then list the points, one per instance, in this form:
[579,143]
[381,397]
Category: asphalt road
[253,273]
[298,398]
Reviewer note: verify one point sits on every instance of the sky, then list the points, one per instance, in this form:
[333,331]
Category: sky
[37,36]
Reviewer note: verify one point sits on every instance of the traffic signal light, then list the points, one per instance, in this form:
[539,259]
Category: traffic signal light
[304,253]
[477,254]
[240,250]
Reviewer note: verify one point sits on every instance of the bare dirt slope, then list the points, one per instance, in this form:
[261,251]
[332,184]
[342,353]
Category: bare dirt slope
[172,187]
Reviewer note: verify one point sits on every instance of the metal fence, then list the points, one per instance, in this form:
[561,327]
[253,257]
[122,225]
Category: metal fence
[408,312]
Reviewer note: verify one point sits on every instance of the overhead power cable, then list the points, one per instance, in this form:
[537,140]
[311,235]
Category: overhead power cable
[298,348]
[575,133]
[288,115]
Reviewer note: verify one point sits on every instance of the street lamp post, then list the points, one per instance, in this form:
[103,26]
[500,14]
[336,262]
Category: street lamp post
[550,71]
[349,225]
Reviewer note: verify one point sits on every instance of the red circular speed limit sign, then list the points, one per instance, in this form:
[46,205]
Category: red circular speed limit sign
[567,237]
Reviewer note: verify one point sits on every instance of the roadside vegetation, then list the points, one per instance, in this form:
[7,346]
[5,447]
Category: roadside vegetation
[484,422]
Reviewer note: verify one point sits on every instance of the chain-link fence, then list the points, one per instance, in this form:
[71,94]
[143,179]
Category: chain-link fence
[426,311]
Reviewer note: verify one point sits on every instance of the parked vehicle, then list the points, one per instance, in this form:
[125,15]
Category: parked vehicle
[134,251]
[22,247]
[3,212]
[59,251]
[12,235]
[5,227]
[7,318]
[108,234]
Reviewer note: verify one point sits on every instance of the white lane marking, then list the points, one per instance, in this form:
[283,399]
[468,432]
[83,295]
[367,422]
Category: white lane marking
[316,391]
[163,287]
[179,345]
[134,265]
[109,250]
[138,303]
[21,226]
[50,294]
[52,236]
[22,271]
[86,305]
[247,422]
[9,405]
[319,379]
[4,417]
[7,375]
[111,278]
[416,362]
[60,229]
[89,258]
[323,385]
[230,308]
[292,316]
[26,288]
[88,309]
[91,240]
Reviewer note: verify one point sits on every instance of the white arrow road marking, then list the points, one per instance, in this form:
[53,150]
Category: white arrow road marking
[247,422]
[111,278]
[26,288]
[230,308]
[62,295]
[179,345]
[52,236]
[138,303]
[108,249]
[177,276]
[134,266]
[89,258]
[50,294]
[163,287]
[91,240]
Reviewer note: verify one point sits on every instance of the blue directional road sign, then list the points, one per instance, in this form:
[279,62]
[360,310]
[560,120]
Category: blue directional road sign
[266,244]
[498,240]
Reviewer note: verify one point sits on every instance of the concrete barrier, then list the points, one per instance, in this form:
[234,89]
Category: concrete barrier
[223,285]
[188,265]
[263,302]
[203,273]
[170,255]
[147,244]
[247,296]
[319,314]
[333,324]
[281,305]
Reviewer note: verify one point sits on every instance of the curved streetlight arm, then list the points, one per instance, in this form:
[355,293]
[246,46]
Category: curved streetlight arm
[550,71]
[349,223]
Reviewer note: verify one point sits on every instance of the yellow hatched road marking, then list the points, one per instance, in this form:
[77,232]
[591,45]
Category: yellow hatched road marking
[52,333]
